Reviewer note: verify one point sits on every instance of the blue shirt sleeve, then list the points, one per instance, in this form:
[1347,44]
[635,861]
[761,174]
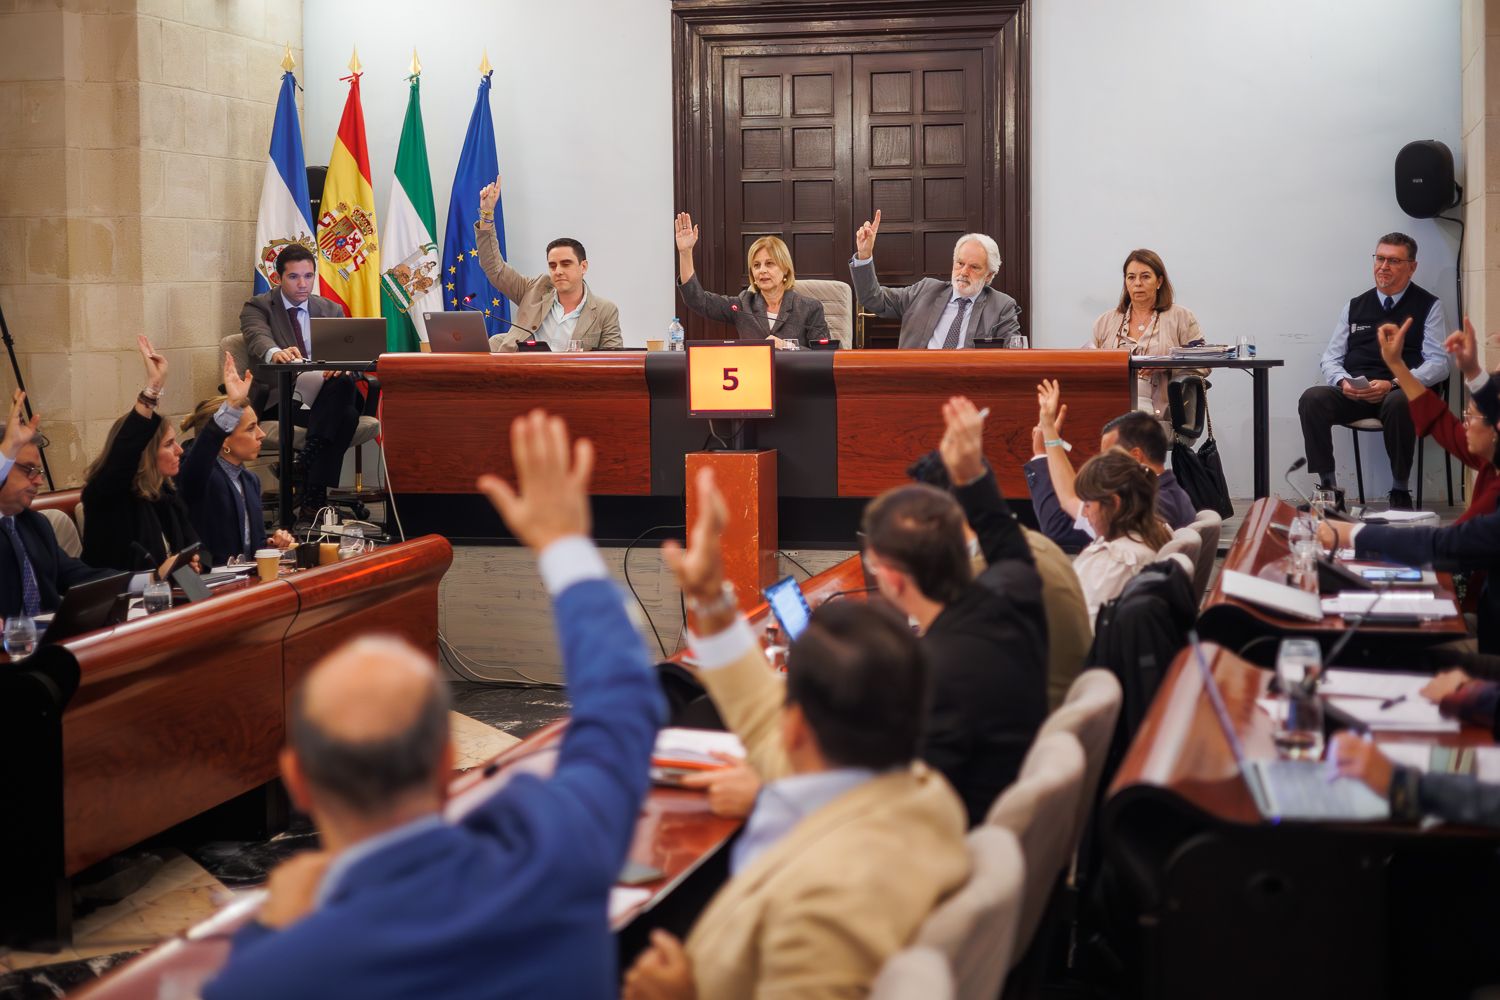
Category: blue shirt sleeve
[1434,366]
[1333,358]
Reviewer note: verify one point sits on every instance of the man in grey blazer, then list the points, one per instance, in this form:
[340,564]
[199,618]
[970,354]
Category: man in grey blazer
[558,305]
[939,315]
[266,321]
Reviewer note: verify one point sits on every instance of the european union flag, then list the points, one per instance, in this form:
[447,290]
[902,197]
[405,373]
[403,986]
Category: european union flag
[462,275]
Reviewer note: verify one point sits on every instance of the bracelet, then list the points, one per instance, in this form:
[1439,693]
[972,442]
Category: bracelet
[149,402]
[1057,443]
[153,391]
[486,216]
[723,602]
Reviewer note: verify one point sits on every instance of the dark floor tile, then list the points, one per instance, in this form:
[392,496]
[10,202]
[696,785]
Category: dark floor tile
[519,711]
[244,864]
[43,982]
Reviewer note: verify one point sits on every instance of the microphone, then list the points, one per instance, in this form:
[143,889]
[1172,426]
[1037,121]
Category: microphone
[1288,478]
[842,593]
[143,554]
[463,303]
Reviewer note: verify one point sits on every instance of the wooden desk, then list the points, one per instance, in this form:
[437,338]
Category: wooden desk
[117,735]
[675,833]
[847,425]
[1254,632]
[1229,905]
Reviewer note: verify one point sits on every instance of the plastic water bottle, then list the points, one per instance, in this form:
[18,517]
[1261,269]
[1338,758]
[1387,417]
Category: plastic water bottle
[675,335]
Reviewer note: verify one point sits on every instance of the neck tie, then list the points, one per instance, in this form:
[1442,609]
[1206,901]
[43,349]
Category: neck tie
[956,331]
[1390,303]
[31,595]
[294,313]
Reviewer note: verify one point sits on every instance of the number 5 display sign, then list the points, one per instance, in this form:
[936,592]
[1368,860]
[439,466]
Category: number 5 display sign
[731,380]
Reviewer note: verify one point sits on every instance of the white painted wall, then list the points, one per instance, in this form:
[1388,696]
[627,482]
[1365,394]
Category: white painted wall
[582,107]
[1251,145]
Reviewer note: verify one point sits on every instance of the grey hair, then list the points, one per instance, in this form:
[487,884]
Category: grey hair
[991,249]
[367,777]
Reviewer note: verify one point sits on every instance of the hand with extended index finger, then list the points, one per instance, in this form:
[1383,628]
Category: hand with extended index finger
[1392,338]
[1464,347]
[19,432]
[551,498]
[864,237]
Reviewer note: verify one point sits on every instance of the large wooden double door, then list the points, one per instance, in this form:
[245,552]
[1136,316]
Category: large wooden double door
[806,138]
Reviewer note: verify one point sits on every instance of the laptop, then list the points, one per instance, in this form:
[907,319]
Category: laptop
[87,606]
[340,339]
[789,605]
[1290,789]
[456,333]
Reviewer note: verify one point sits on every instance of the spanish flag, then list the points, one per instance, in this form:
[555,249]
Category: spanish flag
[349,256]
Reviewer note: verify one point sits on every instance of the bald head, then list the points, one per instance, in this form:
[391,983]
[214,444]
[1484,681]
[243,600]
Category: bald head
[370,725]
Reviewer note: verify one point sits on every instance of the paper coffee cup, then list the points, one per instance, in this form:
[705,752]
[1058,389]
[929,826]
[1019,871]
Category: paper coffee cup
[267,563]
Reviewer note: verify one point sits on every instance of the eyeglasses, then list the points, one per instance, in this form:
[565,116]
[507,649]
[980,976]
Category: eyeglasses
[31,472]
[1392,261]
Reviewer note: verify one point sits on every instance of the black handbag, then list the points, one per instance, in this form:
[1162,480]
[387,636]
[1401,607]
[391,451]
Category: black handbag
[1201,473]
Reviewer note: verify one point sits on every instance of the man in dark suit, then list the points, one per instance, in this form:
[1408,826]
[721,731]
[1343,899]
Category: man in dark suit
[508,898]
[34,571]
[276,326]
[939,315]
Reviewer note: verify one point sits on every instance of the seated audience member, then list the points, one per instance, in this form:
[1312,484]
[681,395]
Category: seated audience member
[852,841]
[1456,798]
[1147,321]
[939,315]
[511,898]
[133,515]
[277,328]
[1354,353]
[34,571]
[769,309]
[558,305]
[1050,475]
[222,496]
[984,636]
[1118,495]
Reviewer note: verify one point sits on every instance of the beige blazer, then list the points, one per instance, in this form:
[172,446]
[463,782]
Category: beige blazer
[820,912]
[532,298]
[1070,632]
[1174,327]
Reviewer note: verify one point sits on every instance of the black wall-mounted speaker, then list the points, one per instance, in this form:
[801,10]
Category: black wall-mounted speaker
[1424,179]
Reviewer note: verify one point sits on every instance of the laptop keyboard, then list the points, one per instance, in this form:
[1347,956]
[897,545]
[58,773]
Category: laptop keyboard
[1301,789]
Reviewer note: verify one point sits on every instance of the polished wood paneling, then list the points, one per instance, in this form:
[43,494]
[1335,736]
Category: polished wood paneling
[890,407]
[747,481]
[174,715]
[63,500]
[446,417]
[391,591]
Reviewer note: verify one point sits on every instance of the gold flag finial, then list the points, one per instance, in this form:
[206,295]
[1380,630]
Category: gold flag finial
[287,62]
[354,61]
[416,64]
[484,67]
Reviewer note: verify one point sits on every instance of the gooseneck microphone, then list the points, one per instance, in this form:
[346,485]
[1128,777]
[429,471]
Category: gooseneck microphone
[464,303]
[1288,478]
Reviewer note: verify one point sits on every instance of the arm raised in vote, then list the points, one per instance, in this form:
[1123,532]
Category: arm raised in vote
[888,303]
[512,283]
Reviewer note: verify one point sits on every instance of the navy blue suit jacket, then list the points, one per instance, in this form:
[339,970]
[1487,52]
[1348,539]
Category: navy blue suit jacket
[509,900]
[54,569]
[212,502]
[1470,545]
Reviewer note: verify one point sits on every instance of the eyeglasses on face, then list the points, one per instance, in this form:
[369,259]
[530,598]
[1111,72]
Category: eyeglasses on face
[31,472]
[1381,261]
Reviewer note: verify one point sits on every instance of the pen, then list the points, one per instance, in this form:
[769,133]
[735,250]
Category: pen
[1392,702]
[984,413]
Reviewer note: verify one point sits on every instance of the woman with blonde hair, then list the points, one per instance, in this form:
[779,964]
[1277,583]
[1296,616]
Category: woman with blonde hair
[1147,321]
[130,501]
[1119,501]
[768,309]
[222,496]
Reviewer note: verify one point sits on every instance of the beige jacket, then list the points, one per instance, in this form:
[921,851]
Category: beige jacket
[1174,327]
[820,912]
[1070,632]
[532,298]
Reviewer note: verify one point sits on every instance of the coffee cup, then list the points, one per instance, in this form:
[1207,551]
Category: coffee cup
[267,563]
[656,345]
[328,552]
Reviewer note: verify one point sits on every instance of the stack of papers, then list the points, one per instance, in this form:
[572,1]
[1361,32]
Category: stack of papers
[1204,351]
[1390,604]
[694,748]
[1362,693]
[1405,517]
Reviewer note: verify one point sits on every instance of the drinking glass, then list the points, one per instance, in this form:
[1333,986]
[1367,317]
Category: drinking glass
[575,347]
[1323,501]
[1299,734]
[20,637]
[1245,347]
[157,597]
[353,542]
[1302,539]
[1017,341]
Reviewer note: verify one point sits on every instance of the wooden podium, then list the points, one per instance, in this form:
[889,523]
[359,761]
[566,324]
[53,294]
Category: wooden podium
[747,481]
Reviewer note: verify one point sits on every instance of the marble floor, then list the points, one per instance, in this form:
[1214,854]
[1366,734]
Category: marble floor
[175,881]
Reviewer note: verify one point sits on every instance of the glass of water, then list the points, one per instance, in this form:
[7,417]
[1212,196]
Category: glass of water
[353,542]
[1017,342]
[157,597]
[1302,539]
[1299,736]
[20,637]
[1324,501]
[575,347]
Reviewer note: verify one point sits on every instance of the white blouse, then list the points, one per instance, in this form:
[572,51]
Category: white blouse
[1105,567]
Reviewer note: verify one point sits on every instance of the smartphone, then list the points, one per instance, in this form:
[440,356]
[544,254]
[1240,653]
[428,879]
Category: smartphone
[635,873]
[1391,574]
[789,605]
[179,559]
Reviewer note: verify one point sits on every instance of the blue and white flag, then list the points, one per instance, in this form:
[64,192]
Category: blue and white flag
[464,283]
[285,210]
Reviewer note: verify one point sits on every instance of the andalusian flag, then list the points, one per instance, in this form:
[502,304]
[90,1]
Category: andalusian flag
[349,256]
[413,285]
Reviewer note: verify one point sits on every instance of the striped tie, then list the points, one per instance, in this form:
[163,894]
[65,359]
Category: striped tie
[31,594]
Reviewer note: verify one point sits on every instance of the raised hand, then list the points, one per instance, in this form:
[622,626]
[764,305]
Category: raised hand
[1464,347]
[1049,408]
[686,233]
[236,388]
[156,365]
[489,195]
[962,446]
[551,500]
[1392,338]
[864,237]
[700,567]
[19,432]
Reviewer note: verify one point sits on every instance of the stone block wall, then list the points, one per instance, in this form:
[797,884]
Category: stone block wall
[132,140]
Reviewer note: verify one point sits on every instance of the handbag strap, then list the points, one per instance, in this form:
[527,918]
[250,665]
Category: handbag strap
[1208,418]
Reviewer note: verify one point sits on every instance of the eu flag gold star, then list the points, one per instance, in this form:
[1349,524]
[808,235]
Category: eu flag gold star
[453,302]
[486,312]
[450,286]
[452,269]
[473,253]
[460,256]
[494,302]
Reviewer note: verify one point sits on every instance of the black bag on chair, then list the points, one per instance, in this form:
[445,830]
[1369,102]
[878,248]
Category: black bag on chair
[1201,473]
[1187,401]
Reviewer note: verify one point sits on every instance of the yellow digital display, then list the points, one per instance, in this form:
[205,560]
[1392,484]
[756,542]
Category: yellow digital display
[730,380]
